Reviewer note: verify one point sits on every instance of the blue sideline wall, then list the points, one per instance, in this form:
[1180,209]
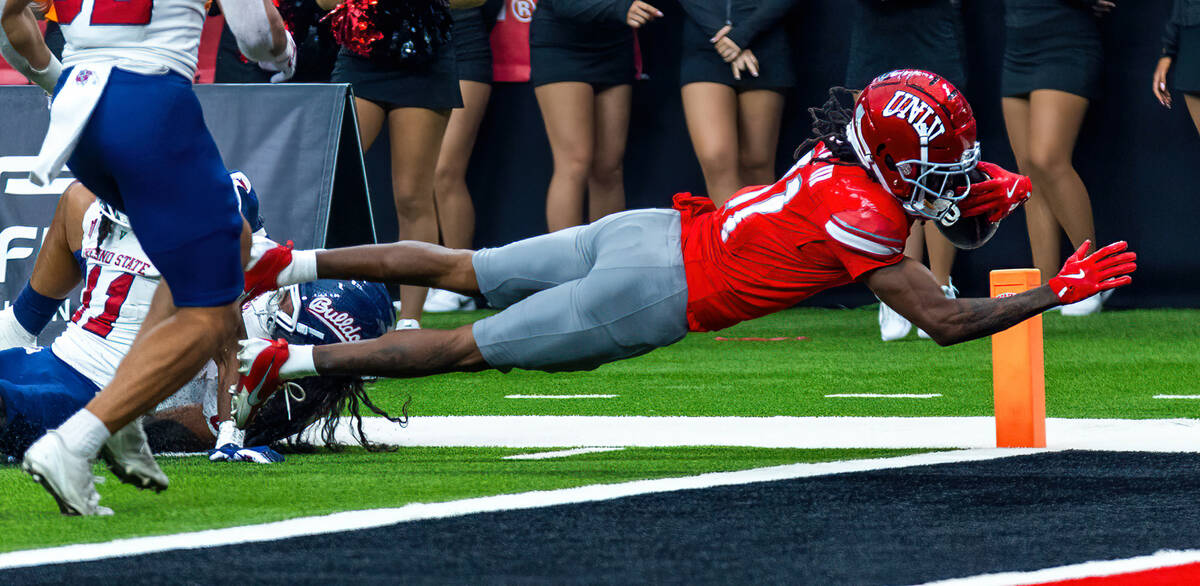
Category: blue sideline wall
[1140,161]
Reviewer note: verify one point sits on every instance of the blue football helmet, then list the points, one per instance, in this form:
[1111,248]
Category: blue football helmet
[247,200]
[322,312]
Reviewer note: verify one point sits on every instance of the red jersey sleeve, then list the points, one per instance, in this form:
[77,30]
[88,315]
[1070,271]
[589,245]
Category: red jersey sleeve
[866,225]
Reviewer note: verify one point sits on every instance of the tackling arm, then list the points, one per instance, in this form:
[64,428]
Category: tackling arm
[22,45]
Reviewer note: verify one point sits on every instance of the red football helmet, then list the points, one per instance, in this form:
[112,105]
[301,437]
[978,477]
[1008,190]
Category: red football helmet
[916,133]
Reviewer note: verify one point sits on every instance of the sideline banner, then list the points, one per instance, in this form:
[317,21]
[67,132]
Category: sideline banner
[298,143]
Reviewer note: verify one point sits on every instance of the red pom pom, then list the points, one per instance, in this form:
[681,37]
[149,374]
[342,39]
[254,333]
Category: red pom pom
[352,28]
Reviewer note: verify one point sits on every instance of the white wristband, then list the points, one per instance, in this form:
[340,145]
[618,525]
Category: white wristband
[47,78]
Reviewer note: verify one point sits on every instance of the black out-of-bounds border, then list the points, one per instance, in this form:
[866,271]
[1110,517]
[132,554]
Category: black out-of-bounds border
[898,526]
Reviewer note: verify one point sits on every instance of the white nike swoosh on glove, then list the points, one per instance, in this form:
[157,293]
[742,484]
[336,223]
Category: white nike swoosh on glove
[1079,276]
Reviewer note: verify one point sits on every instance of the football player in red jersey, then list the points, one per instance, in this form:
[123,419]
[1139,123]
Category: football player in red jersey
[642,279]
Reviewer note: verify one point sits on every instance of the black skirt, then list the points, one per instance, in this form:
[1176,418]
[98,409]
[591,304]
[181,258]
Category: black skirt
[1186,67]
[596,54]
[472,48]
[1064,55]
[890,35]
[700,62]
[433,85]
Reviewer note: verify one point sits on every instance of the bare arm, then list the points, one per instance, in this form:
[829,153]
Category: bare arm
[22,45]
[910,289]
[55,272]
[259,29]
[227,374]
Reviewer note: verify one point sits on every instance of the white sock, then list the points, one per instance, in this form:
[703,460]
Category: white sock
[299,363]
[84,433]
[302,270]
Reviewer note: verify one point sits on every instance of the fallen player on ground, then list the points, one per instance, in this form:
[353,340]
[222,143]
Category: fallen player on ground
[41,387]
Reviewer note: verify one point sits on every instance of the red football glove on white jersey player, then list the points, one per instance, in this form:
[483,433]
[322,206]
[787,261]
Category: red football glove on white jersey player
[1085,275]
[998,196]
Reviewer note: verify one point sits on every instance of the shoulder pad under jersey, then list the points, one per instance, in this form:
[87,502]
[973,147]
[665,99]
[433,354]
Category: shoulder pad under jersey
[863,216]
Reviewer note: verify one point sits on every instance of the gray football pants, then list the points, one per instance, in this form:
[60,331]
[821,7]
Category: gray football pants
[581,297]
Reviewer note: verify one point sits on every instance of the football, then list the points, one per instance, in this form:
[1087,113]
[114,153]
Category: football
[969,232]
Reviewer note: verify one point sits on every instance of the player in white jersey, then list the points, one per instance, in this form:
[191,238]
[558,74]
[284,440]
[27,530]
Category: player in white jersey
[41,387]
[126,121]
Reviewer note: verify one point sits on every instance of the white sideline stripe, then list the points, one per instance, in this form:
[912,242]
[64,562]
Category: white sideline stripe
[1161,559]
[1177,396]
[884,396]
[179,454]
[561,396]
[559,432]
[559,453]
[365,519]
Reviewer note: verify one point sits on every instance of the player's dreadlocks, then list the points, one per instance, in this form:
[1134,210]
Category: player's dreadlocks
[829,123]
[293,408]
[108,223]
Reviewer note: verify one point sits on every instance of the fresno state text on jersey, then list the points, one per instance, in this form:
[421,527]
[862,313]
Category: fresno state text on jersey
[118,285]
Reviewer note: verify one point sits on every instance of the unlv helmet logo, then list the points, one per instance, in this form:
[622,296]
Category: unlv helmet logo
[918,114]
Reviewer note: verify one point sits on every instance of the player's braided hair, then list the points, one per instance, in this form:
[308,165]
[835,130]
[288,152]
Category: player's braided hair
[829,122]
[324,397]
[105,229]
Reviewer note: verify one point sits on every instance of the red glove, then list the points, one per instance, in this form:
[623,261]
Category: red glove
[1085,275]
[998,196]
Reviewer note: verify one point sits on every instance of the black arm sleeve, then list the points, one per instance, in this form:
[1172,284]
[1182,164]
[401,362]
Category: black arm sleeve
[593,11]
[765,15]
[1170,39]
[706,13]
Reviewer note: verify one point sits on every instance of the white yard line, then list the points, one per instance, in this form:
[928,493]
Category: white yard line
[1162,559]
[355,520]
[1177,397]
[883,396]
[559,453]
[561,396]
[1146,435]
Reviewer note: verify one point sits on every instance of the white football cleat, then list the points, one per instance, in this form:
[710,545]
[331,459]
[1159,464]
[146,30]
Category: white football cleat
[65,475]
[892,326]
[951,293]
[127,454]
[12,333]
[441,301]
[1089,306]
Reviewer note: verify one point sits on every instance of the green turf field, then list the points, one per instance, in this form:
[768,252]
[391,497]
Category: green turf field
[1106,365]
[205,495]
[1109,365]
